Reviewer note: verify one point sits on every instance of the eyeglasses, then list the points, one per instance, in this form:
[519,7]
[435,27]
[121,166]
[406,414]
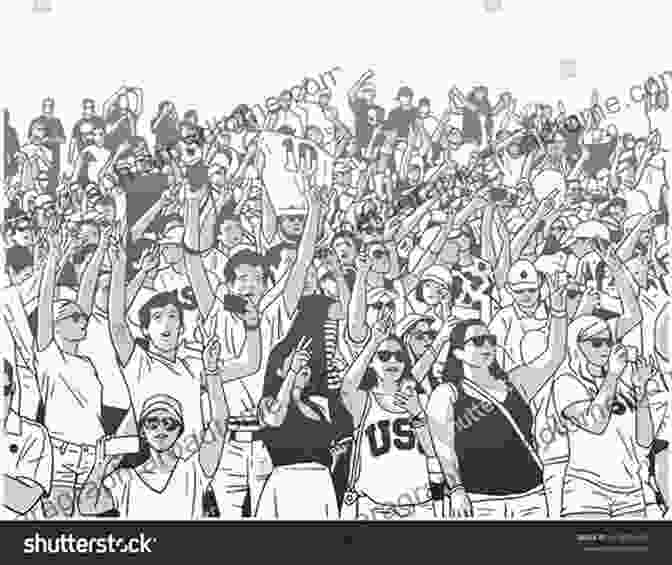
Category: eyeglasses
[429,335]
[78,316]
[168,424]
[380,305]
[598,342]
[380,253]
[479,340]
[385,356]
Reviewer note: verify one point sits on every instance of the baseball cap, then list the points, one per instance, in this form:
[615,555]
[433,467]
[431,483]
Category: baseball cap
[409,322]
[405,91]
[523,274]
[438,274]
[590,230]
[162,402]
[292,210]
[64,309]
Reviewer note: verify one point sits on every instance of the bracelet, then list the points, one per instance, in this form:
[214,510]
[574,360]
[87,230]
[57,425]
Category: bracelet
[558,313]
[455,489]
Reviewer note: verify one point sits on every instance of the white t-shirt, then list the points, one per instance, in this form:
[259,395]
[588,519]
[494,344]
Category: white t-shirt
[610,459]
[243,395]
[98,347]
[148,375]
[72,394]
[510,327]
[180,499]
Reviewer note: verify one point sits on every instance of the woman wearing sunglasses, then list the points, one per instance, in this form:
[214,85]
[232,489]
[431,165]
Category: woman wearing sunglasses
[599,396]
[173,471]
[392,474]
[481,421]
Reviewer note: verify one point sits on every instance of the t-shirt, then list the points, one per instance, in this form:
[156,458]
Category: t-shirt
[167,132]
[610,459]
[96,121]
[123,132]
[98,347]
[72,394]
[243,395]
[180,499]
[148,374]
[168,280]
[54,129]
[401,120]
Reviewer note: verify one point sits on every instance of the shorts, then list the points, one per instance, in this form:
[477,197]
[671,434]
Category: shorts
[530,505]
[72,463]
[580,496]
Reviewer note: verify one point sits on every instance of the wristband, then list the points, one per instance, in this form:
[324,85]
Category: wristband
[437,490]
[558,313]
[455,489]
[250,328]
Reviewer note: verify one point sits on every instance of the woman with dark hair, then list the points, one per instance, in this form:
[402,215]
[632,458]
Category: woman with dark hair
[481,422]
[303,416]
[393,473]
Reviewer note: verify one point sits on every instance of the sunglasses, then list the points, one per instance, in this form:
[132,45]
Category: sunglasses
[573,293]
[380,253]
[168,424]
[429,335]
[78,316]
[479,340]
[598,342]
[385,356]
[380,305]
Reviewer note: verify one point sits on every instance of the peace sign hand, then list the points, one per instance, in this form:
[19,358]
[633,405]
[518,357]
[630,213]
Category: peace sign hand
[212,347]
[300,356]
[382,329]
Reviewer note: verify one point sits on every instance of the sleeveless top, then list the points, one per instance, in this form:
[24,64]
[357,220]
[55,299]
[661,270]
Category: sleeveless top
[492,458]
[392,465]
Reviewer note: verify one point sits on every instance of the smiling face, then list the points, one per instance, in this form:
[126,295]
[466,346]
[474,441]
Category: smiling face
[388,363]
[161,430]
[479,350]
[164,328]
[526,297]
[249,282]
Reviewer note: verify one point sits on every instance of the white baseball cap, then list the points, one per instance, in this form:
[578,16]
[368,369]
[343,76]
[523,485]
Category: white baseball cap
[438,274]
[409,321]
[523,274]
[589,230]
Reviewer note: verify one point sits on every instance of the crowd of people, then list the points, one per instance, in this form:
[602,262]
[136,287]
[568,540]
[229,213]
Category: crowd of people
[468,317]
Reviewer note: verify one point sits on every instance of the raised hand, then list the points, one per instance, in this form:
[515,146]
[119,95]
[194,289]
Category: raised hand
[644,371]
[300,357]
[407,399]
[558,293]
[382,329]
[618,359]
[212,346]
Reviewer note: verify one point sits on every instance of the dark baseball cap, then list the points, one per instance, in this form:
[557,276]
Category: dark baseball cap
[405,91]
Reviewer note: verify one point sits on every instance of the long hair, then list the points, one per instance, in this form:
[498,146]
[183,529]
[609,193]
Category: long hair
[312,313]
[453,371]
[370,379]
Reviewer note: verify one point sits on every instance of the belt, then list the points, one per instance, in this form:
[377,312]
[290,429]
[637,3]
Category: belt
[391,512]
[64,445]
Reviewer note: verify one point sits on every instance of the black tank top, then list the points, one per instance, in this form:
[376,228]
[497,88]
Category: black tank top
[492,458]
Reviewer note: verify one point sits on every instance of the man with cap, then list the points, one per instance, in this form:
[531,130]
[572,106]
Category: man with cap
[403,117]
[527,313]
[433,295]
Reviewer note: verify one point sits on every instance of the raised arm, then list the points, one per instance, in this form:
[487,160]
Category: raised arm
[45,307]
[353,398]
[143,222]
[121,336]
[89,280]
[295,281]
[210,452]
[205,296]
[357,326]
[529,379]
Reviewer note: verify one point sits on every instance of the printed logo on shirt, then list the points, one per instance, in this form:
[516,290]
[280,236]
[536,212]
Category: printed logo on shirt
[385,435]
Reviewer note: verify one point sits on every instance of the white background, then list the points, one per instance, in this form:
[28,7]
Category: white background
[212,55]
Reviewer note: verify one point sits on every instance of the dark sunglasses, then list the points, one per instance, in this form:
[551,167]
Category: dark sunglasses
[429,335]
[385,356]
[380,305]
[77,316]
[380,253]
[168,424]
[479,340]
[598,342]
